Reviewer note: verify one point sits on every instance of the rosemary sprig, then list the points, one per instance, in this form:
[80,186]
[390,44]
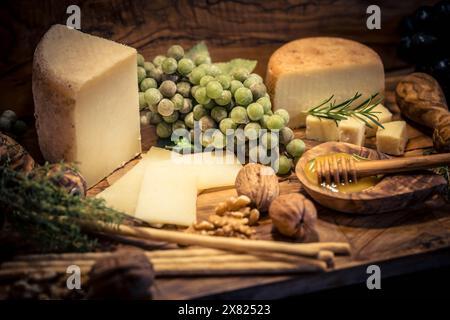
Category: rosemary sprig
[47,214]
[364,111]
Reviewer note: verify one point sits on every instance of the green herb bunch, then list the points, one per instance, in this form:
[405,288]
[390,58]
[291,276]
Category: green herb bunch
[47,214]
[364,111]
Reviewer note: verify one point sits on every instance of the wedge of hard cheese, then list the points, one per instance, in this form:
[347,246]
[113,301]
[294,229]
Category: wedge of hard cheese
[86,101]
[303,73]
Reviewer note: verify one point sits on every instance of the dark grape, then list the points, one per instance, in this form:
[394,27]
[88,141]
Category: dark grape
[172,77]
[407,26]
[404,49]
[424,46]
[424,19]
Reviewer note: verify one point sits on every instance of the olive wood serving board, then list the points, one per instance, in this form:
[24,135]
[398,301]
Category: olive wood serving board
[393,192]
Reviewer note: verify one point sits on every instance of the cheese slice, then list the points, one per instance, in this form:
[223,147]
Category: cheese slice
[352,131]
[321,129]
[123,194]
[303,73]
[393,138]
[168,195]
[86,101]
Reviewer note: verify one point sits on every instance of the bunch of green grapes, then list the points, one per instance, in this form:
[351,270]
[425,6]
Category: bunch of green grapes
[178,91]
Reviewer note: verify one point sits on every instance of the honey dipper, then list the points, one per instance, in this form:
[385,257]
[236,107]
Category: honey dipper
[341,169]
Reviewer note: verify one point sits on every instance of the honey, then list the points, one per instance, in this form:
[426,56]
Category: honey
[360,185]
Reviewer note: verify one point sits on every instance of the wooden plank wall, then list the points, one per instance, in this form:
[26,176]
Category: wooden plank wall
[240,28]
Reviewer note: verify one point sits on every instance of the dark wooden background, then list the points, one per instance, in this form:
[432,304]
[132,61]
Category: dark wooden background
[240,28]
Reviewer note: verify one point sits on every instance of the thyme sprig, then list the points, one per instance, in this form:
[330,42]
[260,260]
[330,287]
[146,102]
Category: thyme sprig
[47,214]
[364,111]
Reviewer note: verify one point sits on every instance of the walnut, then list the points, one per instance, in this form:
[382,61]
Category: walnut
[259,183]
[127,274]
[294,216]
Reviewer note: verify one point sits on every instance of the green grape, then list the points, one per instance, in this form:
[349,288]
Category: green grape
[202,59]
[211,104]
[224,99]
[179,124]
[206,122]
[219,113]
[9,114]
[196,75]
[140,60]
[252,79]
[251,130]
[141,74]
[241,74]
[147,83]
[224,80]
[168,88]
[153,108]
[243,96]
[193,90]
[205,67]
[213,138]
[189,120]
[284,114]
[214,89]
[239,115]
[187,106]
[201,96]
[142,103]
[265,102]
[148,66]
[165,107]
[176,52]
[205,79]
[255,111]
[158,60]
[172,118]
[185,66]
[269,113]
[269,140]
[169,65]
[227,124]
[152,96]
[154,118]
[295,148]
[284,165]
[19,127]
[163,130]
[184,88]
[258,90]
[234,85]
[156,73]
[213,70]
[199,111]
[178,101]
[286,135]
[263,121]
[275,122]
[5,124]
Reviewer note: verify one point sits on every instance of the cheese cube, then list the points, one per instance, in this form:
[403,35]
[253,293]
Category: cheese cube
[383,114]
[168,195]
[321,129]
[303,73]
[393,138]
[352,131]
[86,101]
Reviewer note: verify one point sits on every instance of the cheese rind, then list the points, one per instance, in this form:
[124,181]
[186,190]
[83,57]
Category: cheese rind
[352,131]
[321,129]
[303,73]
[86,101]
[393,138]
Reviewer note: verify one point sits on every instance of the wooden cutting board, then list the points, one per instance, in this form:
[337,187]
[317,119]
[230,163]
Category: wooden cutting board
[404,241]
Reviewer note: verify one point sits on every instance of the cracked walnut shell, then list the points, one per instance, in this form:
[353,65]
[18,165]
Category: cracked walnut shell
[259,183]
[294,216]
